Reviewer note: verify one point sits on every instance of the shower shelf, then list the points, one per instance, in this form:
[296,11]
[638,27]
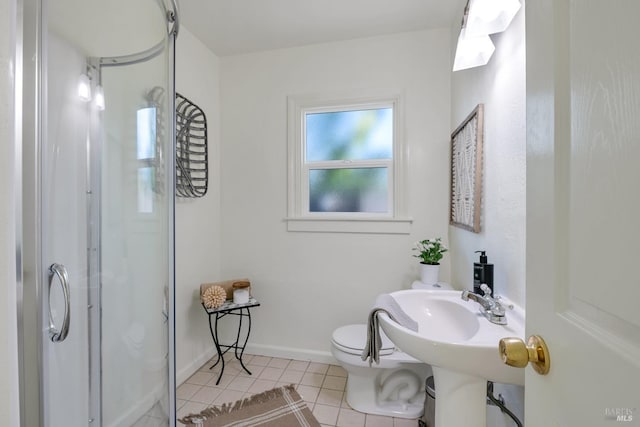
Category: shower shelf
[192,170]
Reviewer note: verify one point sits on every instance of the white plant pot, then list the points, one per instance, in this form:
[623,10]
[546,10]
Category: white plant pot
[429,273]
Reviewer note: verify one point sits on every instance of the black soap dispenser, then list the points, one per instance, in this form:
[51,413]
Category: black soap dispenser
[482,273]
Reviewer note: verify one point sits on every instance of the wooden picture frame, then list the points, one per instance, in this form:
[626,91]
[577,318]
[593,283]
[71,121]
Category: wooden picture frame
[466,171]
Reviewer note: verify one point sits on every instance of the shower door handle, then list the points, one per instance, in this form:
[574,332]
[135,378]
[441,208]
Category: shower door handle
[60,271]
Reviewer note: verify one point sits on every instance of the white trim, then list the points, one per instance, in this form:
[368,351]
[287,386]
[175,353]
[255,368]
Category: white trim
[291,353]
[260,350]
[395,220]
[186,371]
[350,225]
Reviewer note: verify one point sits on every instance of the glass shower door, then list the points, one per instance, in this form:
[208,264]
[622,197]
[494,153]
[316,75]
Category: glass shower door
[106,197]
[135,264]
[64,241]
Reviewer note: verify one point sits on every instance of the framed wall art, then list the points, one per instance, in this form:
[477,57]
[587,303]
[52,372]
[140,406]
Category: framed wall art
[466,171]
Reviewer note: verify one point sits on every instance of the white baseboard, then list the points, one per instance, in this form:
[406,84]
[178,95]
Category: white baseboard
[186,371]
[261,350]
[138,409]
[291,353]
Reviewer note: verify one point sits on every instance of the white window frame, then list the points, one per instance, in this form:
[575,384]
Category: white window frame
[395,220]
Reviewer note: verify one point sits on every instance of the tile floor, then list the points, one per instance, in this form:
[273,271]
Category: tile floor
[321,386]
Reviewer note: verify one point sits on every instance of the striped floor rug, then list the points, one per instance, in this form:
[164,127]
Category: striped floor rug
[280,407]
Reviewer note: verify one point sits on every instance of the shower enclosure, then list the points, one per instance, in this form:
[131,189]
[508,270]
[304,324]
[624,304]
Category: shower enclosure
[97,290]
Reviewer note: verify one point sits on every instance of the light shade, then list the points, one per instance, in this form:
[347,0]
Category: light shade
[98,98]
[84,88]
[472,51]
[490,16]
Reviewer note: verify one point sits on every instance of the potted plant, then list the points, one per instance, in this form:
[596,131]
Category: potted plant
[430,252]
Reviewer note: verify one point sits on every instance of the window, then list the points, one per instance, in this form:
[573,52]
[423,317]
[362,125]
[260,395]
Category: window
[346,165]
[146,153]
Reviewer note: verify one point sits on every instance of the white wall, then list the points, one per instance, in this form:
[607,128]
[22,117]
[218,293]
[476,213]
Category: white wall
[198,234]
[500,85]
[8,328]
[311,283]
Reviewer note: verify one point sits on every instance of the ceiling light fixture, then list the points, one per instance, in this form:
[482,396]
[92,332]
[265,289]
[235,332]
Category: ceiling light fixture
[481,18]
[490,16]
[472,51]
[98,98]
[84,88]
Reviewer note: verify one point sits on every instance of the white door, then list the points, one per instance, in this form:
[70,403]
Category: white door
[583,211]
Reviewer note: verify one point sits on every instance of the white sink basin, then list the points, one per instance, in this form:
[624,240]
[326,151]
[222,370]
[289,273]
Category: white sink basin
[453,334]
[461,345]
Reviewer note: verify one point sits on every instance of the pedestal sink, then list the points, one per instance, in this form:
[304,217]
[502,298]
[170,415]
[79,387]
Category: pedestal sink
[461,345]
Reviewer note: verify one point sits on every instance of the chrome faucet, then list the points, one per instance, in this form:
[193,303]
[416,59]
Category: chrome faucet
[491,307]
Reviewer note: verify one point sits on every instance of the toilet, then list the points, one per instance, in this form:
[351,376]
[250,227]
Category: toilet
[393,388]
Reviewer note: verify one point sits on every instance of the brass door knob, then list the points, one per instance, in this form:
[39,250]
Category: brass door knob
[514,352]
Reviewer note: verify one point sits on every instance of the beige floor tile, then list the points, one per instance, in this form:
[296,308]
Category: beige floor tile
[200,378]
[312,379]
[404,422]
[224,381]
[186,390]
[326,414]
[350,418]
[207,365]
[206,395]
[228,396]
[272,374]
[260,360]
[261,385]
[298,365]
[317,368]
[277,362]
[329,397]
[291,376]
[336,371]
[378,421]
[254,369]
[334,383]
[190,408]
[308,393]
[320,385]
[240,384]
[345,404]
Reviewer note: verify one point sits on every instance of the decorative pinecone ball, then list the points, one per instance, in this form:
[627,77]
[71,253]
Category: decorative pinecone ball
[214,297]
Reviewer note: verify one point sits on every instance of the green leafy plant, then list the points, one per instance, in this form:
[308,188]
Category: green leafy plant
[430,251]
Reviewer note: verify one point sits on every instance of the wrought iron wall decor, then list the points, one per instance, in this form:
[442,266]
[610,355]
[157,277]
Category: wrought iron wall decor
[466,171]
[192,159]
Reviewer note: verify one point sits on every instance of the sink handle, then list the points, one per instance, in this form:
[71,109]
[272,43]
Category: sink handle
[486,290]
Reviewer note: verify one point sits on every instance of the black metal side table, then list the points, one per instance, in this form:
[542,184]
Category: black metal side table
[229,307]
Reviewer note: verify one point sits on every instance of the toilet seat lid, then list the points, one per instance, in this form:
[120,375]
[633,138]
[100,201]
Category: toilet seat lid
[353,338]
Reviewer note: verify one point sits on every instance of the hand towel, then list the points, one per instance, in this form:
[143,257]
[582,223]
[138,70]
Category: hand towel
[385,304]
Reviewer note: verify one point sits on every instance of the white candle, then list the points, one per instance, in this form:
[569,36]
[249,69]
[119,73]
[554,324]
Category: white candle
[241,296]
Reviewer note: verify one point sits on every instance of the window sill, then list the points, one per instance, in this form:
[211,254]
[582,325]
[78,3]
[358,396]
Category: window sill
[360,225]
